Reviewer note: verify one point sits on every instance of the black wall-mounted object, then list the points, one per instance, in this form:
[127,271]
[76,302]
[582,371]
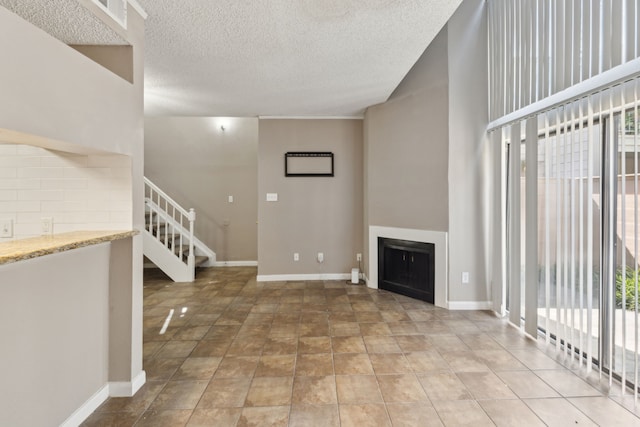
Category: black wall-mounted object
[407,268]
[308,163]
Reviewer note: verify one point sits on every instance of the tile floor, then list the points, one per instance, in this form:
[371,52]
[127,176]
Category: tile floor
[228,351]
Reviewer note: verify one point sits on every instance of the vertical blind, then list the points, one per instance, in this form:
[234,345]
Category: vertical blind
[540,47]
[567,180]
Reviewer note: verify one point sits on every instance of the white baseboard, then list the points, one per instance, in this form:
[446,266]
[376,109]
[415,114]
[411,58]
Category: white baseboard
[127,388]
[235,264]
[470,305]
[112,389]
[87,408]
[299,277]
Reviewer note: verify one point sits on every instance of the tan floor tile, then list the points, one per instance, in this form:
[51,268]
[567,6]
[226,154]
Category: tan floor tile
[414,343]
[353,389]
[237,366]
[342,316]
[401,388]
[434,327]
[179,395]
[394,316]
[567,383]
[486,385]
[379,329]
[284,330]
[280,345]
[191,333]
[364,415]
[402,328]
[277,416]
[225,392]
[314,390]
[112,419]
[390,363]
[461,413]
[161,369]
[314,329]
[413,414]
[211,348]
[549,409]
[150,348]
[444,386]
[176,349]
[381,344]
[219,417]
[605,411]
[480,341]
[222,332]
[314,345]
[535,359]
[165,418]
[314,416]
[509,413]
[465,362]
[526,384]
[314,365]
[449,343]
[499,360]
[276,366]
[197,368]
[135,404]
[369,316]
[352,364]
[346,329]
[270,391]
[426,361]
[348,345]
[246,346]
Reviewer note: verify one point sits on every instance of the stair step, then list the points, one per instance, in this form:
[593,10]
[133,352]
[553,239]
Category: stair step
[200,259]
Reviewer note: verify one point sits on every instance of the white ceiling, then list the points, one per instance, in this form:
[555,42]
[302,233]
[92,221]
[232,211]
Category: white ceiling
[65,20]
[282,57]
[263,57]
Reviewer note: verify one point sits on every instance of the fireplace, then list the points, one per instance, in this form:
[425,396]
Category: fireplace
[407,267]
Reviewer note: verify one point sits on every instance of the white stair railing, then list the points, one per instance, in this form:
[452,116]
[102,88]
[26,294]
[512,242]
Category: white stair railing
[166,220]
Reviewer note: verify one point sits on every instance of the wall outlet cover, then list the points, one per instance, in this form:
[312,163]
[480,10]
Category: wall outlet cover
[296,257]
[6,227]
[47,225]
[320,257]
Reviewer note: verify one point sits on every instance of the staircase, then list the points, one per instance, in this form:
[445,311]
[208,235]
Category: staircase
[168,238]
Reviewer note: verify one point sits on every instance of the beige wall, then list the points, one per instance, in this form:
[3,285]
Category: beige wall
[54,314]
[406,149]
[470,189]
[312,214]
[427,158]
[55,97]
[199,166]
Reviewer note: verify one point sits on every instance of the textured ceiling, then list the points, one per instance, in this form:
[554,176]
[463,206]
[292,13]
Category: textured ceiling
[282,57]
[65,20]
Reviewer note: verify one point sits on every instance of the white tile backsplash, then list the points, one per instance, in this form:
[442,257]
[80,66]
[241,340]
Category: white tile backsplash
[78,192]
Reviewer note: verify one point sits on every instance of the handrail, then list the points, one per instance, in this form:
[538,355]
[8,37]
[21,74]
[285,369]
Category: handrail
[174,217]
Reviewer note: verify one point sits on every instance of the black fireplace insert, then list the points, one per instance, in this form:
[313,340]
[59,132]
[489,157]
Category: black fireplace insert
[407,268]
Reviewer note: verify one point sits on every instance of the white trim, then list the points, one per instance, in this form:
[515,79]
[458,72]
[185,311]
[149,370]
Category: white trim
[127,388]
[359,117]
[438,238]
[470,305]
[607,78]
[87,408]
[299,277]
[235,264]
[136,6]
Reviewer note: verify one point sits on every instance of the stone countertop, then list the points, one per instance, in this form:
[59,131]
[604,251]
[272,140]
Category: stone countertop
[18,250]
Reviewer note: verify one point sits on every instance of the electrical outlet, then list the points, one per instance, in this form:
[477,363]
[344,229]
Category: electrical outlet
[230,199]
[465,277]
[6,227]
[296,256]
[47,225]
[358,257]
[320,257]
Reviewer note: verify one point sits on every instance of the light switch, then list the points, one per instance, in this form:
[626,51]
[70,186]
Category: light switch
[230,199]
[465,277]
[272,197]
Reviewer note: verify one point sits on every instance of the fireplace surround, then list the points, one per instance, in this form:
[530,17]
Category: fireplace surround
[438,238]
